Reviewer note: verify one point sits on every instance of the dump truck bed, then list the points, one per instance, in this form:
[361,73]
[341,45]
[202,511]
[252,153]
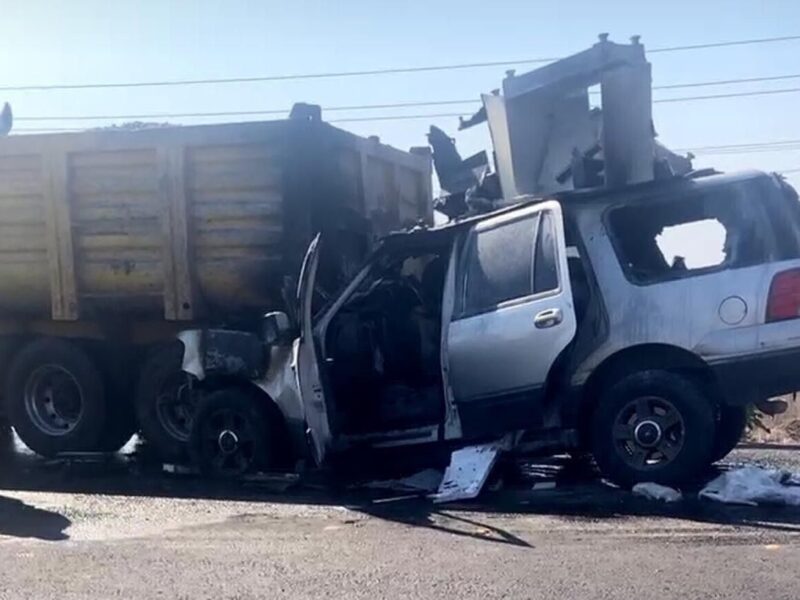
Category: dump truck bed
[181,223]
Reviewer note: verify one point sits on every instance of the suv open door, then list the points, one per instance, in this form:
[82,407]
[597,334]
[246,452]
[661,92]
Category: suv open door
[513,316]
[308,376]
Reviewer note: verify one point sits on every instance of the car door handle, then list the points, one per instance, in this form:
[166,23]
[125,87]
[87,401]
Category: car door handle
[548,318]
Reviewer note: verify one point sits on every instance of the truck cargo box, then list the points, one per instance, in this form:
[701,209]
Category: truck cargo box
[186,222]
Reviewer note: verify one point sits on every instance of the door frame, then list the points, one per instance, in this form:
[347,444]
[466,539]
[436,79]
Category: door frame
[463,424]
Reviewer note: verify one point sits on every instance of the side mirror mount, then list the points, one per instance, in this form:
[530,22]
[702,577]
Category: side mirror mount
[276,328]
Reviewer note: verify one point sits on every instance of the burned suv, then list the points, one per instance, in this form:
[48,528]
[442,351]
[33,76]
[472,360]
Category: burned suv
[637,325]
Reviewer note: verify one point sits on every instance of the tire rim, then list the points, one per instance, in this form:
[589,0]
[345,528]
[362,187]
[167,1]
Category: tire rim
[228,442]
[175,408]
[53,400]
[649,432]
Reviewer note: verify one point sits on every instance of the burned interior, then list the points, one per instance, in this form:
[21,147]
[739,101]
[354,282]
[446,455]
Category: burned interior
[384,343]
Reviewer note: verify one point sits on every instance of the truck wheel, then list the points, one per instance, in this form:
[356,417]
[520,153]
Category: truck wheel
[164,404]
[730,429]
[230,435]
[653,426]
[55,398]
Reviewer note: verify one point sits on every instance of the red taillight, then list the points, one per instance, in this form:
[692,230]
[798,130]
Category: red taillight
[784,296]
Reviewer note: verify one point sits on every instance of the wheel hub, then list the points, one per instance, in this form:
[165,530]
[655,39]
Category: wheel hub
[648,434]
[228,441]
[53,400]
[175,407]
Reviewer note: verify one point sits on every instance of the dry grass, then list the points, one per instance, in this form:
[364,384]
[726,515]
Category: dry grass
[780,429]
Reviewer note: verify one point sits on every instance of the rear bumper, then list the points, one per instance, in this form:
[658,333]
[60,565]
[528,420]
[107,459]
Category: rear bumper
[759,376]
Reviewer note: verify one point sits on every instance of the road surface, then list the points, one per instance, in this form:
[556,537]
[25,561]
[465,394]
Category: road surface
[98,532]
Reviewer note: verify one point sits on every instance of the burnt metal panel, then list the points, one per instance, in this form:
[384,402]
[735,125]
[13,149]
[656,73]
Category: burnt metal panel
[233,353]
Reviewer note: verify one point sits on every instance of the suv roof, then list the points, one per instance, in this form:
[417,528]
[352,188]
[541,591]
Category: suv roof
[440,233]
[665,186]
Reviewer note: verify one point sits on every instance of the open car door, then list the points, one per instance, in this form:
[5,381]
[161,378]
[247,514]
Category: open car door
[308,375]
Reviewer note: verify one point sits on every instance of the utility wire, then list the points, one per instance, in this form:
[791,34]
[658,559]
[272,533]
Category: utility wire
[283,111]
[740,146]
[725,82]
[364,73]
[728,95]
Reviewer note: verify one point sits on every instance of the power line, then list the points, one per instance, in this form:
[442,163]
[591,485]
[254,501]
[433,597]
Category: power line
[729,95]
[283,111]
[751,148]
[238,113]
[364,119]
[396,117]
[725,82]
[364,73]
[785,38]
[720,149]
[749,145]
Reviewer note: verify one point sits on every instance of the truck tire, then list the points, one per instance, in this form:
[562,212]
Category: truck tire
[653,426]
[164,408]
[231,435]
[55,398]
[730,429]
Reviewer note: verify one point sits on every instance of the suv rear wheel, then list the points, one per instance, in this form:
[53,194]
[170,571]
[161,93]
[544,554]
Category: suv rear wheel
[654,426]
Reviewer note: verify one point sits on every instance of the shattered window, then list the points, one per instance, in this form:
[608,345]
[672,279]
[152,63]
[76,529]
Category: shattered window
[698,244]
[545,272]
[499,265]
[694,235]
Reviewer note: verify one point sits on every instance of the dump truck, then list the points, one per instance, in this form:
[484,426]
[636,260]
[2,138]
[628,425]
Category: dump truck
[114,240]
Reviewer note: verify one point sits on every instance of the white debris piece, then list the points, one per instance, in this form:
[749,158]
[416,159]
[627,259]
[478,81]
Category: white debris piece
[192,360]
[424,481]
[753,486]
[467,472]
[655,491]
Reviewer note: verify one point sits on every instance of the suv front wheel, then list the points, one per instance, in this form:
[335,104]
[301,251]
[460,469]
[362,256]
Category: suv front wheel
[653,426]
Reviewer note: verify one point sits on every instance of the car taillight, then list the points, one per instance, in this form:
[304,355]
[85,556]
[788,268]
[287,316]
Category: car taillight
[784,296]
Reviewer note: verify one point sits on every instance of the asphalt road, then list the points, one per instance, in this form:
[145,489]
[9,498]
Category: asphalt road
[100,531]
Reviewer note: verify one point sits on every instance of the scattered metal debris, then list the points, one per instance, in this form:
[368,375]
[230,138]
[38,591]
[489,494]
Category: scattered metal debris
[654,491]
[467,472]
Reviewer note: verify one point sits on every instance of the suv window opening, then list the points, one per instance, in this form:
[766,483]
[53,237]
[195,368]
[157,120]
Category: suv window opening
[637,234]
[481,305]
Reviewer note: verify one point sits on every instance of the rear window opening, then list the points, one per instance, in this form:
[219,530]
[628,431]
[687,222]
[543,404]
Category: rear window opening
[698,244]
[657,241]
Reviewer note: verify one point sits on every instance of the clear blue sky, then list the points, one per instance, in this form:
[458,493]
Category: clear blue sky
[52,41]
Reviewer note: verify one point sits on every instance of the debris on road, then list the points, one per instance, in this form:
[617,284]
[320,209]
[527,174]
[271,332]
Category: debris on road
[176,469]
[426,481]
[655,491]
[468,470]
[753,486]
